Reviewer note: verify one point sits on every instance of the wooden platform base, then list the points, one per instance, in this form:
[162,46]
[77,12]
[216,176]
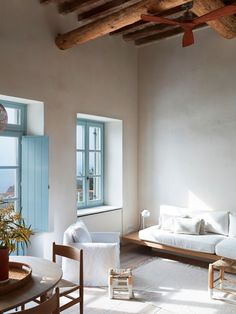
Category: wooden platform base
[134,238]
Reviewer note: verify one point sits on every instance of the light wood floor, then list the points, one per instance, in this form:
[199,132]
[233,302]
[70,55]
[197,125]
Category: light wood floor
[132,255]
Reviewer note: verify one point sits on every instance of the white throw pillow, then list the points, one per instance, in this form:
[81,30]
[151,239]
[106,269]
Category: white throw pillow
[187,225]
[216,222]
[167,222]
[198,216]
[232,225]
[80,233]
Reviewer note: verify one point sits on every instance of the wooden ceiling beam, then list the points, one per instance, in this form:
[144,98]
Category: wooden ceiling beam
[131,28]
[79,5]
[163,35]
[140,25]
[152,29]
[112,22]
[153,38]
[105,10]
[149,31]
[225,26]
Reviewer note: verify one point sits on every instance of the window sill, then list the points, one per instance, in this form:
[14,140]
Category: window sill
[96,210]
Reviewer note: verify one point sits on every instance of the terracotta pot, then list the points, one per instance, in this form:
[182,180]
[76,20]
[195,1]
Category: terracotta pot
[4,263]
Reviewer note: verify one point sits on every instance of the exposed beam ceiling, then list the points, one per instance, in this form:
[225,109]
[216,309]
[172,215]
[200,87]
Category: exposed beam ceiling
[141,25]
[82,5]
[162,34]
[105,10]
[226,26]
[112,22]
[123,17]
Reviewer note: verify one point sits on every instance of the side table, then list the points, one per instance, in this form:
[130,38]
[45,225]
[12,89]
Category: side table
[221,266]
[121,281]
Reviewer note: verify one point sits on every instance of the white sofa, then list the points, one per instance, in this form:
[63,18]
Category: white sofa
[212,232]
[101,251]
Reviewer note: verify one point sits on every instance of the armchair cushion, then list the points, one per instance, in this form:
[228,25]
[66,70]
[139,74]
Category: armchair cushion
[77,232]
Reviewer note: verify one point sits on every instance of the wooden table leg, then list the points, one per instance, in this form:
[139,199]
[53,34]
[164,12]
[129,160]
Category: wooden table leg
[211,279]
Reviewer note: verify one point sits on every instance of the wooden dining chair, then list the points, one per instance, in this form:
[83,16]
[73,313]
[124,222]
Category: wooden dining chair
[50,306]
[67,287]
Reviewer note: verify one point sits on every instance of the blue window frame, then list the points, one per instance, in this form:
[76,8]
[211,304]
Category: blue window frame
[10,153]
[89,163]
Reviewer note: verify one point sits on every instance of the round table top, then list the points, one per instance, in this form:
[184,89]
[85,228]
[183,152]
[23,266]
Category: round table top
[45,275]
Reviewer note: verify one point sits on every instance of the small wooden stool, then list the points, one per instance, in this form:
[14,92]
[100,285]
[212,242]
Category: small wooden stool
[120,280]
[223,265]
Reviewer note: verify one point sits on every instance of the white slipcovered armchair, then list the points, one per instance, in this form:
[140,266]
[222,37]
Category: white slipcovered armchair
[101,251]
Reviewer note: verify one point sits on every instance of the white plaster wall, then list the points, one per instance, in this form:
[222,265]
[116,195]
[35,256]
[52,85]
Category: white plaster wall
[187,124]
[96,222]
[113,164]
[97,78]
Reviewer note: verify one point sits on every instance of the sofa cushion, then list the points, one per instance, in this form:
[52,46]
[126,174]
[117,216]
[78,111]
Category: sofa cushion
[215,221]
[232,225]
[201,243]
[167,222]
[187,225]
[226,248]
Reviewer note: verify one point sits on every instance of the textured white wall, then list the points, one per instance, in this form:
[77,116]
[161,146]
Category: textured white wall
[113,164]
[96,222]
[187,106]
[97,78]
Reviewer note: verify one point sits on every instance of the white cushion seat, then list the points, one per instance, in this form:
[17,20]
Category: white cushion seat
[201,243]
[227,248]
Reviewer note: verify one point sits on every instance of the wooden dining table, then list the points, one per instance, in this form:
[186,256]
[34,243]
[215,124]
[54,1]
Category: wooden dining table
[45,275]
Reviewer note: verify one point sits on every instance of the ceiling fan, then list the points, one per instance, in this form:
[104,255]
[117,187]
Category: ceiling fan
[188,22]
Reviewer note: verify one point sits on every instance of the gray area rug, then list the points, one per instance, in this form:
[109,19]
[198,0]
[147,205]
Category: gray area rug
[161,286]
[178,288]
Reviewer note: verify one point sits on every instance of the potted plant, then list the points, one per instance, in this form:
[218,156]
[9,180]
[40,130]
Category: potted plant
[12,231]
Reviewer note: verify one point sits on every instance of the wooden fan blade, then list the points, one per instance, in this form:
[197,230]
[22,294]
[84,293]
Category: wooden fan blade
[158,19]
[188,38]
[216,14]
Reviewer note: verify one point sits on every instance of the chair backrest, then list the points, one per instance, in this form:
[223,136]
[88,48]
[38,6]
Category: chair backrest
[50,306]
[69,252]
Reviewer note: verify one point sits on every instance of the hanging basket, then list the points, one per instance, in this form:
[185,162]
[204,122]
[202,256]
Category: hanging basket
[3,118]
[4,264]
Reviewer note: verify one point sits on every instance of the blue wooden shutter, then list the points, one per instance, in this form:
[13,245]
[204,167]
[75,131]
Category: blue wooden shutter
[34,185]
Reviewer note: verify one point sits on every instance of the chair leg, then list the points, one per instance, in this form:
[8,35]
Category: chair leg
[81,308]
[130,287]
[110,288]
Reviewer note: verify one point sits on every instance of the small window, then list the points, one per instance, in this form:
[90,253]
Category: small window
[89,163]
[16,115]
[10,149]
